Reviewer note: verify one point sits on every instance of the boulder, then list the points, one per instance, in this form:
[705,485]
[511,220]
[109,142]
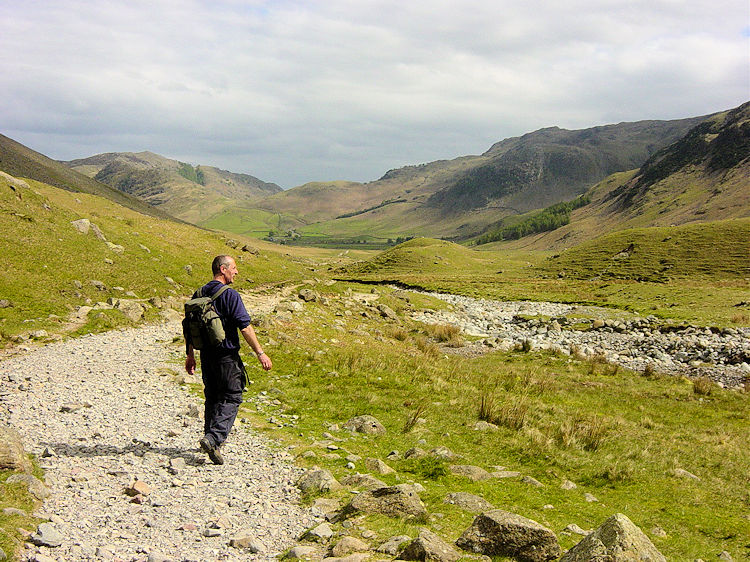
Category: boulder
[245,539]
[308,295]
[317,480]
[366,481]
[365,424]
[393,501]
[304,553]
[387,312]
[616,540]
[47,535]
[132,310]
[429,546]
[36,487]
[82,225]
[474,473]
[12,455]
[378,466]
[501,533]
[393,544]
[347,545]
[469,502]
[321,533]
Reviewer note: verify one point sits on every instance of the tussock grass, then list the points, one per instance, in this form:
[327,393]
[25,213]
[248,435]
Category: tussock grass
[703,386]
[443,332]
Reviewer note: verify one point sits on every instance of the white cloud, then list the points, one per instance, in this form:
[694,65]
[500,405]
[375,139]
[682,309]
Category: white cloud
[292,91]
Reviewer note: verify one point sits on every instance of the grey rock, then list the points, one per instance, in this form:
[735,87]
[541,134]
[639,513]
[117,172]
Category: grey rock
[82,225]
[568,485]
[393,501]
[501,533]
[469,502]
[482,425]
[365,481]
[98,232]
[14,511]
[5,303]
[573,528]
[36,486]
[415,453]
[246,540]
[365,424]
[616,540]
[317,480]
[158,557]
[308,295]
[321,533]
[443,453]
[348,545]
[304,553]
[532,481]
[132,310]
[429,546]
[682,473]
[505,474]
[378,466]
[590,497]
[47,535]
[393,545]
[387,312]
[471,472]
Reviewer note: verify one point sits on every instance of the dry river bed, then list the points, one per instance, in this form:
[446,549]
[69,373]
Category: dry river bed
[633,342]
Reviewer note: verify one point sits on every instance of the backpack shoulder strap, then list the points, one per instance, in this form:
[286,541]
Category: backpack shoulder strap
[217,293]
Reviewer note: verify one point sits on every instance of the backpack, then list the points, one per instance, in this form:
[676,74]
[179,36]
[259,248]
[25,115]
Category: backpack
[202,321]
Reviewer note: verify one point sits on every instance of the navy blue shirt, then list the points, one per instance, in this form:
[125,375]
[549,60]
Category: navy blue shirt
[233,314]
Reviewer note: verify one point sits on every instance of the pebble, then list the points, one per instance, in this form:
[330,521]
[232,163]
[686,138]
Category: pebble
[137,427]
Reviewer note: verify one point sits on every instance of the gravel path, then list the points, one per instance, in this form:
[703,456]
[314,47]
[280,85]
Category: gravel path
[106,411]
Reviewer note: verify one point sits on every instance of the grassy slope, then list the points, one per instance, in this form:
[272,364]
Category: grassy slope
[328,370]
[43,255]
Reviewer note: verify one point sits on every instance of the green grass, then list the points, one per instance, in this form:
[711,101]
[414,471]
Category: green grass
[16,496]
[618,435]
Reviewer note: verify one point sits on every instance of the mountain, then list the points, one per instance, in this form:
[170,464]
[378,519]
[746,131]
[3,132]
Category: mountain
[703,176]
[459,198]
[192,193]
[21,161]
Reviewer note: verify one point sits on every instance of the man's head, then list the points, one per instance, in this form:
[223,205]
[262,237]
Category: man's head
[224,269]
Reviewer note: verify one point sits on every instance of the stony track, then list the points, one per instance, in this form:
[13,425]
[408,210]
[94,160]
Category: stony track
[105,410]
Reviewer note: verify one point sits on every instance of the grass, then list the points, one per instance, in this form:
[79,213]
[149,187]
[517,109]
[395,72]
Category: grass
[617,434]
[16,496]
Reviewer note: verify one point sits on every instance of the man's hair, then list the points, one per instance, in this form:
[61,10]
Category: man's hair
[218,262]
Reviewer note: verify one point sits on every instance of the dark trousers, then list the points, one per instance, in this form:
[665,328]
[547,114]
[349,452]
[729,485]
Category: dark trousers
[223,381]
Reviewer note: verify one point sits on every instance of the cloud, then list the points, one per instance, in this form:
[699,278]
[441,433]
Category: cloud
[292,91]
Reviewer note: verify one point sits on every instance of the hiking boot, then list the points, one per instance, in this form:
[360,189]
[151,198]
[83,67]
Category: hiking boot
[213,452]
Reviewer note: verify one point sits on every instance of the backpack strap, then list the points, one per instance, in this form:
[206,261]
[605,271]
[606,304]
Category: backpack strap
[217,293]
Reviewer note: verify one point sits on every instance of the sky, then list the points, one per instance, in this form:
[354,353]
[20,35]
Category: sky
[297,91]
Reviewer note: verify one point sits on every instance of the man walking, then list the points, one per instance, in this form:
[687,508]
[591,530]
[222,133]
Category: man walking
[222,367]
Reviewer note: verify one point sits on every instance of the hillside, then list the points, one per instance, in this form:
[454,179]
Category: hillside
[702,177]
[459,198]
[21,161]
[189,192]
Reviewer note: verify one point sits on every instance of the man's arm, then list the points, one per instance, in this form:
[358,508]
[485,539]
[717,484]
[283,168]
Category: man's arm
[252,340]
[190,360]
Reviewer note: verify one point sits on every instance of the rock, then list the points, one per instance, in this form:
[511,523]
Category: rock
[5,303]
[724,555]
[482,425]
[590,497]
[308,295]
[682,473]
[473,473]
[82,225]
[532,481]
[3,556]
[429,546]
[501,533]
[387,312]
[356,557]
[573,528]
[658,532]
[36,487]
[366,481]
[70,407]
[393,501]
[616,539]
[98,232]
[347,545]
[116,248]
[378,466]
[39,334]
[568,485]
[365,424]
[138,487]
[326,505]
[98,284]
[393,544]
[47,535]
[469,502]
[14,511]
[288,306]
[177,465]
[443,453]
[304,553]
[132,310]
[321,533]
[317,480]
[245,539]
[505,474]
[12,455]
[415,453]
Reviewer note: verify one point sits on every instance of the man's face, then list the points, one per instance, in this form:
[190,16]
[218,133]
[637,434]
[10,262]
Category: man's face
[229,271]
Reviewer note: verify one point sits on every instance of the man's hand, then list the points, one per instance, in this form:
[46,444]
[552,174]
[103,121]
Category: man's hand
[190,364]
[265,361]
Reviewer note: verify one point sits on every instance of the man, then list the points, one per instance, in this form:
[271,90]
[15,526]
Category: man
[223,370]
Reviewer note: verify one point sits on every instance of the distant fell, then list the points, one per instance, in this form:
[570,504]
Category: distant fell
[192,193]
[21,161]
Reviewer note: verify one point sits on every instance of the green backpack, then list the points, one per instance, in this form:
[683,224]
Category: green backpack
[202,321]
